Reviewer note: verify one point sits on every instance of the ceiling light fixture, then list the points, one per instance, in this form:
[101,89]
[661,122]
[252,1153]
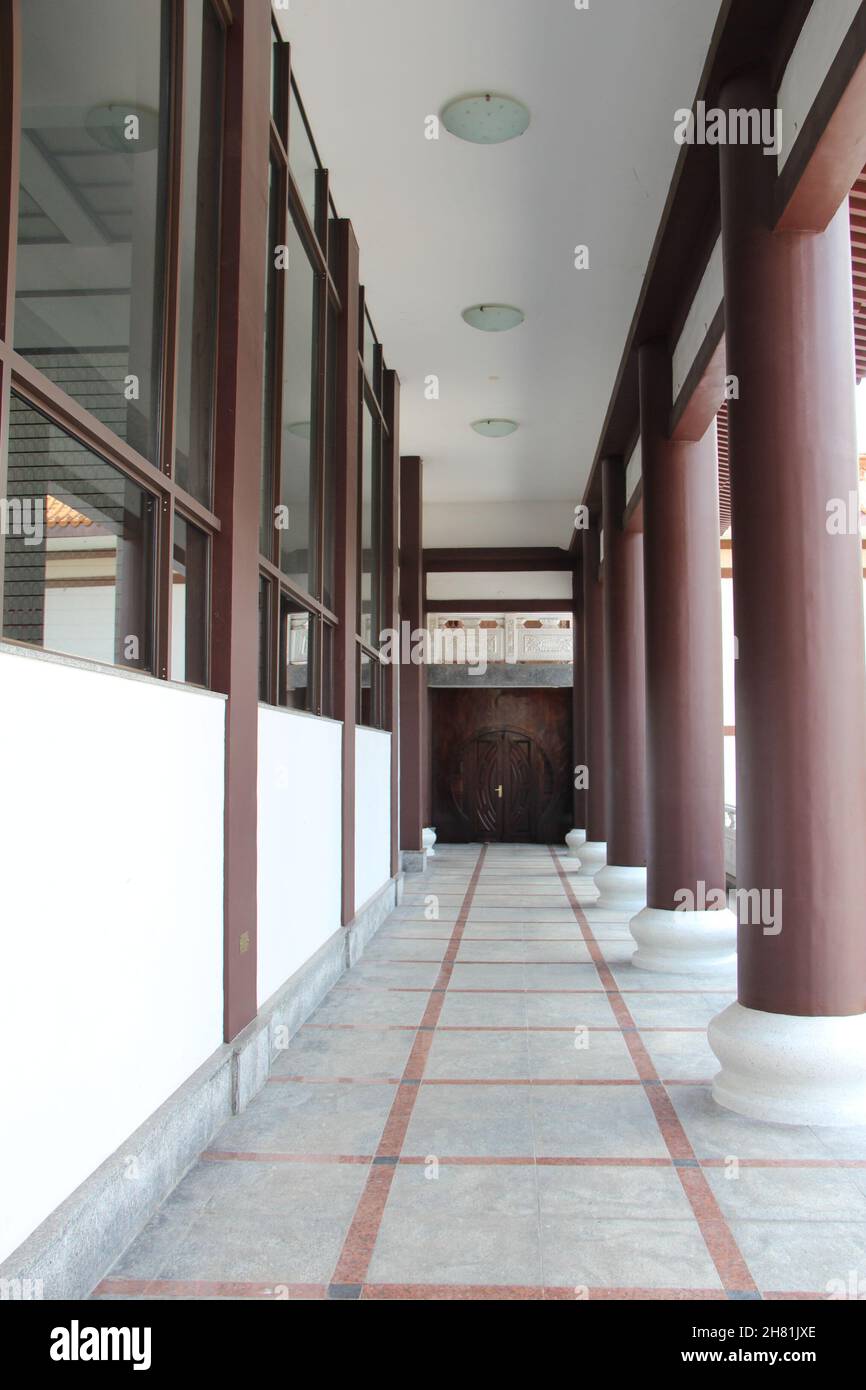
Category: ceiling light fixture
[486,118]
[494,429]
[123,128]
[493,318]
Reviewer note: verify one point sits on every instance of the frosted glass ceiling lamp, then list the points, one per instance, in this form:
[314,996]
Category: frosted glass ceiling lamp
[494,429]
[493,318]
[486,118]
[301,428]
[123,128]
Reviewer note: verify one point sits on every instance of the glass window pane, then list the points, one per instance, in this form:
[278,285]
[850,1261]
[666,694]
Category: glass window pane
[331,426]
[370,691]
[296,663]
[264,640]
[91,236]
[327,638]
[275,76]
[77,548]
[370,592]
[302,158]
[296,519]
[199,249]
[189,603]
[369,350]
[266,529]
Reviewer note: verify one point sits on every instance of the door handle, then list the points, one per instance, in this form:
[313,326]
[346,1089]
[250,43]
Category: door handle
[499,791]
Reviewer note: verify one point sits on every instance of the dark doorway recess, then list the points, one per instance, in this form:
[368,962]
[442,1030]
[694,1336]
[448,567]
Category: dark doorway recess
[501,765]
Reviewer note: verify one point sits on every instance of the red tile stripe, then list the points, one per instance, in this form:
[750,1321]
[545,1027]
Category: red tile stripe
[527,1160]
[204,1288]
[354,1260]
[200,1288]
[717,1234]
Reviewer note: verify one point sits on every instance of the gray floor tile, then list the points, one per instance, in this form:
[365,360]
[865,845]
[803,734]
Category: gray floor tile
[470,1121]
[625,1254]
[467,1226]
[345,1052]
[681,1056]
[788,1194]
[803,1256]
[718,1133]
[315,1118]
[595,1122]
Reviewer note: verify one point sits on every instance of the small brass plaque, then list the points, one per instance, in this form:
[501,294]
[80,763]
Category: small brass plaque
[244,943]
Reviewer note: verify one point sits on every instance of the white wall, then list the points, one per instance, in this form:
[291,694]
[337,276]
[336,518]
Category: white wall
[633,471]
[81,621]
[820,39]
[372,813]
[449,524]
[299,841]
[729,717]
[704,306]
[542,584]
[111,853]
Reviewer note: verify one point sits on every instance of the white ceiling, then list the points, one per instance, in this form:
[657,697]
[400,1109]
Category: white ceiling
[445,224]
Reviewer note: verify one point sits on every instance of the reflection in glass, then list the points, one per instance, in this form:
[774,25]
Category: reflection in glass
[370,352]
[189,603]
[302,158]
[264,640]
[296,519]
[90,260]
[370,675]
[77,548]
[296,630]
[330,481]
[199,249]
[370,541]
[266,523]
[327,640]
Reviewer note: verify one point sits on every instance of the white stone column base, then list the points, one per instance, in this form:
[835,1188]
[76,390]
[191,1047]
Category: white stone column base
[592,857]
[621,888]
[574,839]
[684,943]
[791,1069]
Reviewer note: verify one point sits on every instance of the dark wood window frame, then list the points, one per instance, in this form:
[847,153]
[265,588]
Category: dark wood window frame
[315,236]
[373,397]
[38,391]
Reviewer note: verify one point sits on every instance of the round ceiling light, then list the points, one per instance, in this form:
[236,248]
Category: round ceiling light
[123,128]
[301,428]
[494,429]
[493,318]
[486,118]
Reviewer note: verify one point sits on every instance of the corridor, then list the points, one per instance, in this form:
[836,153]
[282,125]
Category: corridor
[495,1104]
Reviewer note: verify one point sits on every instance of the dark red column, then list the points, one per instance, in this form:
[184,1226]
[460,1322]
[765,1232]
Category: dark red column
[625,680]
[346,526]
[578,706]
[798,601]
[683,621]
[240,371]
[593,852]
[413,678]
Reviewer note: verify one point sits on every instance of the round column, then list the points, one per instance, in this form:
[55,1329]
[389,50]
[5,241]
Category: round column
[593,853]
[686,927]
[794,1046]
[576,837]
[622,882]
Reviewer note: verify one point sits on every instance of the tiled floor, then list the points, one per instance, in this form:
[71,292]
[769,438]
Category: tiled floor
[495,1103]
